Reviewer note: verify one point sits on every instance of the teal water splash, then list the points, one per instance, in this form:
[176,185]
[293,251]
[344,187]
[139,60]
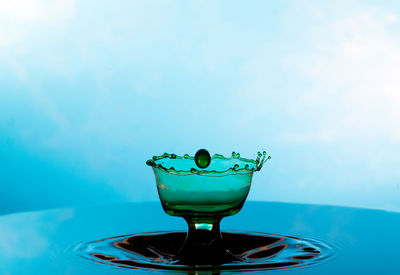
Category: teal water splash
[219,165]
[203,190]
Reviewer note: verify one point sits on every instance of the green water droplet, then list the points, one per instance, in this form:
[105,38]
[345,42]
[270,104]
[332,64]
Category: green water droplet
[192,170]
[202,158]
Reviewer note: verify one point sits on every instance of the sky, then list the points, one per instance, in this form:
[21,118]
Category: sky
[89,90]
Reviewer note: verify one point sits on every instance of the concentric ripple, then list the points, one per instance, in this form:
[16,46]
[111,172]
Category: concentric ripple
[157,250]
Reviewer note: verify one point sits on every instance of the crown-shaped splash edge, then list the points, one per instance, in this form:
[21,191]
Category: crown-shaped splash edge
[257,164]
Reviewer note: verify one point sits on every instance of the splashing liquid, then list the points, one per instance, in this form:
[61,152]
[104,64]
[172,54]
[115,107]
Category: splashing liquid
[203,197]
[183,165]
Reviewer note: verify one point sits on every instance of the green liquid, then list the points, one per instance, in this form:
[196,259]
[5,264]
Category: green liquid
[203,197]
[202,158]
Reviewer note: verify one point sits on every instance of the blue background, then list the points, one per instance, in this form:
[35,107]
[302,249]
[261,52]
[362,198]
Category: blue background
[89,90]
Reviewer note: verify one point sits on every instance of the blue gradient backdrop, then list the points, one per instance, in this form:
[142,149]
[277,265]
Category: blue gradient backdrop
[89,90]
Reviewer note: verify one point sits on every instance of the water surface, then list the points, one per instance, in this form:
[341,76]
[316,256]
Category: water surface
[367,240]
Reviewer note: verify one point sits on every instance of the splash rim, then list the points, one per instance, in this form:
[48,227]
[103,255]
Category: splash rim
[258,164]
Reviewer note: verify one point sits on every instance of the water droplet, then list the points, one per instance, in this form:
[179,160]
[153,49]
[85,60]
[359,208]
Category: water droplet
[202,158]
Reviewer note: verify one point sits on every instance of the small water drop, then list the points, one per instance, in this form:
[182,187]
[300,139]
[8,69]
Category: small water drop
[192,170]
[202,158]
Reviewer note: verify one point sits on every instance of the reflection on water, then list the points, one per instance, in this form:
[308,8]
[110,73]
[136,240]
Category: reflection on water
[259,251]
[42,242]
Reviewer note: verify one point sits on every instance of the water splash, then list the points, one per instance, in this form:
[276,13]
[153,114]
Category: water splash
[173,164]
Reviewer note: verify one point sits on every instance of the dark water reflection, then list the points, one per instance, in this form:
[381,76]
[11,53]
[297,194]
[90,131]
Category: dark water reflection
[256,251]
[43,242]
